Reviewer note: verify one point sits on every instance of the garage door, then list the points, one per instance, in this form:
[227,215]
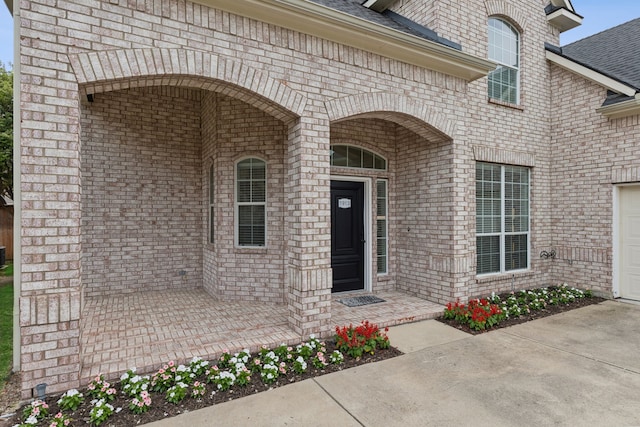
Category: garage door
[629,242]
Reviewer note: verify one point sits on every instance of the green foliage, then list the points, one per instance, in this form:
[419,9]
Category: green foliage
[480,314]
[8,271]
[6,131]
[6,331]
[364,338]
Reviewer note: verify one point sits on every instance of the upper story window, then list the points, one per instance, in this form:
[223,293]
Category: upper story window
[504,48]
[251,197]
[355,157]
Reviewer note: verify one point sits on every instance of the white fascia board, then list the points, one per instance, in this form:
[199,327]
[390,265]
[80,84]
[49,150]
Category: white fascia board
[590,74]
[622,109]
[330,24]
[564,19]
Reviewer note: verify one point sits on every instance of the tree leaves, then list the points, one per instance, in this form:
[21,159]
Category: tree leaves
[6,131]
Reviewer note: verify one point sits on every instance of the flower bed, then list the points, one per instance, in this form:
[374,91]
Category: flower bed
[176,389]
[511,308]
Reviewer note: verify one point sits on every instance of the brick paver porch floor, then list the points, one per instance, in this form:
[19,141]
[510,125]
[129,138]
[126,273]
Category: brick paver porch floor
[145,330]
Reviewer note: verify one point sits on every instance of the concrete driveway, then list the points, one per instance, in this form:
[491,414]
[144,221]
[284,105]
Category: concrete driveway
[576,369]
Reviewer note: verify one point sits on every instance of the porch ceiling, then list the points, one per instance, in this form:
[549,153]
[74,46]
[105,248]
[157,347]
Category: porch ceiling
[146,330]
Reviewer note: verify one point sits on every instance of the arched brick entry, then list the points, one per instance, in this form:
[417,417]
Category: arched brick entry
[122,69]
[399,109]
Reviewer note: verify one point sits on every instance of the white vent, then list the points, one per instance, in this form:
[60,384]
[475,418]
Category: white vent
[377,5]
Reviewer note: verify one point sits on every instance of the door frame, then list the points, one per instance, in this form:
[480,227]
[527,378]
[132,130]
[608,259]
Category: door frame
[616,267]
[366,209]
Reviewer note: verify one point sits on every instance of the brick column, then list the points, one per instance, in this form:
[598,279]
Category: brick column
[49,284]
[308,227]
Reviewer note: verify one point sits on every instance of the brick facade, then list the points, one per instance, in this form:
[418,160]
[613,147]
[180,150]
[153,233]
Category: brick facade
[115,192]
[590,160]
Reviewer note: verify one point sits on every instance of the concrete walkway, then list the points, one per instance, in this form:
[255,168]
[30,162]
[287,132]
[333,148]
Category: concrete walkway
[574,369]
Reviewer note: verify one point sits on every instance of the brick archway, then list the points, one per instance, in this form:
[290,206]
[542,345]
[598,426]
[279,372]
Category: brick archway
[399,109]
[105,71]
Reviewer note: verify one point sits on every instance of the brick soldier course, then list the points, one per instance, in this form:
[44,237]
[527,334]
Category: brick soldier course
[126,107]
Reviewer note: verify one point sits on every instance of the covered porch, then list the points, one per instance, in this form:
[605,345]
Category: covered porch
[147,329]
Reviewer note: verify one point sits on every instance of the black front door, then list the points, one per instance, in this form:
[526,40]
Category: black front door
[347,235]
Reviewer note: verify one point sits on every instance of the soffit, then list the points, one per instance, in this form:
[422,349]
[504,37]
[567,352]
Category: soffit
[330,24]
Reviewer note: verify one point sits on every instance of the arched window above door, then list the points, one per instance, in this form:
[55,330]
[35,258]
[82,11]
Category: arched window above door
[356,157]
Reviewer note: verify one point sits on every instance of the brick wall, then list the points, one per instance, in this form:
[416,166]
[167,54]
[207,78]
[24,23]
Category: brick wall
[142,191]
[241,131]
[304,82]
[588,160]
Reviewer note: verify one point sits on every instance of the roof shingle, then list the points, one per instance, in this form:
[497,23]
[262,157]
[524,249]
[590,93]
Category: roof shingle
[613,52]
[387,19]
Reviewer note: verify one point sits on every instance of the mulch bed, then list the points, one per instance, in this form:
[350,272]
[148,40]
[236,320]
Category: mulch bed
[549,310]
[161,409]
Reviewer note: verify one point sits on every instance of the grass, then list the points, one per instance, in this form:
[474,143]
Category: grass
[6,327]
[8,271]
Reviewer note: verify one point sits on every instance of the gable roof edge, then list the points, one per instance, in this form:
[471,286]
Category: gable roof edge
[589,73]
[330,24]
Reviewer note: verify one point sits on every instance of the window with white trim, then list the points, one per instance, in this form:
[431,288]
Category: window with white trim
[356,157]
[251,196]
[504,48]
[502,218]
[211,203]
[381,225]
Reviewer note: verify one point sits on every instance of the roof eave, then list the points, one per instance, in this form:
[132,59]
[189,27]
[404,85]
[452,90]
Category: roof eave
[622,109]
[563,3]
[330,24]
[9,4]
[564,19]
[589,74]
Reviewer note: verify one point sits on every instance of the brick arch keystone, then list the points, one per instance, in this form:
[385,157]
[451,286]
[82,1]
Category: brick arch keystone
[105,71]
[403,110]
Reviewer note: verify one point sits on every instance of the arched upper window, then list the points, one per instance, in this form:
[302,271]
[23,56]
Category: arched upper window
[251,198]
[355,157]
[504,48]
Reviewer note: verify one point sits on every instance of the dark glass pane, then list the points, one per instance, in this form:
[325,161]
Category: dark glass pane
[339,156]
[367,159]
[354,155]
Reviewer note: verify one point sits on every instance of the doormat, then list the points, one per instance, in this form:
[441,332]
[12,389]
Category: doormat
[361,300]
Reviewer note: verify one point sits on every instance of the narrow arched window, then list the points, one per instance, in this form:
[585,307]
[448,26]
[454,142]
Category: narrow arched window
[251,197]
[504,48]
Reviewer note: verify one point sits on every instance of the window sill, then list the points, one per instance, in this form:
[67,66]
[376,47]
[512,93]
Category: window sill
[251,249]
[506,104]
[501,277]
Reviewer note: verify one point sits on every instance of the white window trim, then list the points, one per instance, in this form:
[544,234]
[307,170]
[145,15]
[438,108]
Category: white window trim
[518,85]
[236,227]
[211,237]
[503,233]
[386,222]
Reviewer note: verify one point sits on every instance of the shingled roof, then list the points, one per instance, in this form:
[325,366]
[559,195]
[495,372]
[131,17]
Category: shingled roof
[614,52]
[388,19]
